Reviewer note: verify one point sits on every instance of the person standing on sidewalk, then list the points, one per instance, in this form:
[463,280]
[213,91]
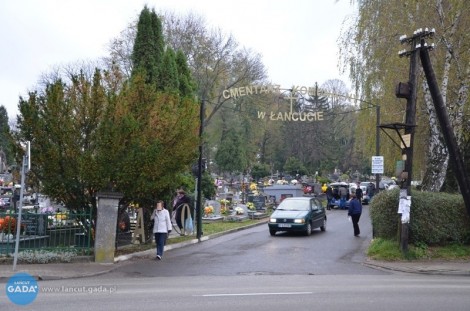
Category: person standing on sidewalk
[178,202]
[355,211]
[161,227]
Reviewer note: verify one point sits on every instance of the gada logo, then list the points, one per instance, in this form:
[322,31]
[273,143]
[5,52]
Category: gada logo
[22,289]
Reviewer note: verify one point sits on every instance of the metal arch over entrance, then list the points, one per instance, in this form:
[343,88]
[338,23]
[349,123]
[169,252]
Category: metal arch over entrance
[293,95]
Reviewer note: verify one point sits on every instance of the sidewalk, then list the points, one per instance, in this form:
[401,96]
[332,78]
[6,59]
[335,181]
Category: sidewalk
[80,268]
[86,268]
[435,267]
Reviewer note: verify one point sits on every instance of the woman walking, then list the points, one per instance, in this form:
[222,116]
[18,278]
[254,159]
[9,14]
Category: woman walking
[161,227]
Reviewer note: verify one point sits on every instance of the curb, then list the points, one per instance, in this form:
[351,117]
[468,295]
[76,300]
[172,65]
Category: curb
[386,266]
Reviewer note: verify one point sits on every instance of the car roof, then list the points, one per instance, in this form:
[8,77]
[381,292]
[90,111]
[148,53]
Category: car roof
[297,198]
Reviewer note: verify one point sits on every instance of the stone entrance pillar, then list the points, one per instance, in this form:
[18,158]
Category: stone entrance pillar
[106,221]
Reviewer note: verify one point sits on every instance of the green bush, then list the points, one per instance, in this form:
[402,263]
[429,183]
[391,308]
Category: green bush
[383,213]
[435,218]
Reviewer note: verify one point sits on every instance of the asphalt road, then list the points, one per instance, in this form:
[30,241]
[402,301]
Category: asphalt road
[255,252]
[250,270]
[254,292]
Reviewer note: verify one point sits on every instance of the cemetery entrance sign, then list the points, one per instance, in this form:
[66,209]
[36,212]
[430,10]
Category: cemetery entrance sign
[294,93]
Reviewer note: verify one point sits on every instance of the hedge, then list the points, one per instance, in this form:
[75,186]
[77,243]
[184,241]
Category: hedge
[436,218]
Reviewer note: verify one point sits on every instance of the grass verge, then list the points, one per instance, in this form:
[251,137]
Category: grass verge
[381,249]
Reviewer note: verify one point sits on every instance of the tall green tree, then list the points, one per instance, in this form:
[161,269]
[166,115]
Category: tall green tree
[148,48]
[230,156]
[169,78]
[156,139]
[5,137]
[61,123]
[187,85]
[155,122]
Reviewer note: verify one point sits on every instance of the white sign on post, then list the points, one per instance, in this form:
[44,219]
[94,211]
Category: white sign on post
[377,165]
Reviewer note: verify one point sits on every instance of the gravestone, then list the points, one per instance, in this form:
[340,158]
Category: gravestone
[215,205]
[258,200]
[35,224]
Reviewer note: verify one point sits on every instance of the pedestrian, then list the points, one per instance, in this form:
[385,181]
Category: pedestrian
[329,196]
[370,190]
[343,193]
[180,199]
[355,211]
[161,227]
[359,193]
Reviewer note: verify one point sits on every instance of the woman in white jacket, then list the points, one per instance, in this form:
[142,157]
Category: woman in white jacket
[161,228]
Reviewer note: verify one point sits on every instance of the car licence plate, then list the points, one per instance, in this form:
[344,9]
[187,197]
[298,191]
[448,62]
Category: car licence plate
[284,225]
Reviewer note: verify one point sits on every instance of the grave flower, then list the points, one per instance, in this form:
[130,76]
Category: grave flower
[224,202]
[208,210]
[224,210]
[239,211]
[250,206]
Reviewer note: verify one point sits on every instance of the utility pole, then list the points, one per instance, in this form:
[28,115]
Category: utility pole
[409,91]
[377,143]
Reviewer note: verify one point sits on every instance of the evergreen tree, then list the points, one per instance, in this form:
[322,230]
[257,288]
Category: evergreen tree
[61,125]
[5,136]
[147,55]
[186,82]
[169,73]
[230,156]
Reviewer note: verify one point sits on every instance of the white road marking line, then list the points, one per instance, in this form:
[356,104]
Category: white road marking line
[253,294]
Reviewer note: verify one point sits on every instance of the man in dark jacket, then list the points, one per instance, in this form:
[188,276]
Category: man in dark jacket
[359,193]
[355,211]
[178,202]
[329,196]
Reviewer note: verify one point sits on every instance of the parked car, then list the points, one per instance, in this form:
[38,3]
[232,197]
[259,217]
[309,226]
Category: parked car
[365,195]
[298,214]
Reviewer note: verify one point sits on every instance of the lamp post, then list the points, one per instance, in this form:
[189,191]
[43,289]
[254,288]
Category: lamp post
[199,173]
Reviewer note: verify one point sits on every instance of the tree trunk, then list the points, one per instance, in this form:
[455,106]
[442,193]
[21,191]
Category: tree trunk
[437,156]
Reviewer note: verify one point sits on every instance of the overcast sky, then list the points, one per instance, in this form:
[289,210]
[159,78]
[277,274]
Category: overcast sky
[297,39]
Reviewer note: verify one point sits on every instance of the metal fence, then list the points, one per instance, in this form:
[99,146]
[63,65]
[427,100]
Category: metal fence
[71,230]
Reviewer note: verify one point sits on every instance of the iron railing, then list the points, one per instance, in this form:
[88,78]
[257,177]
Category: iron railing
[47,231]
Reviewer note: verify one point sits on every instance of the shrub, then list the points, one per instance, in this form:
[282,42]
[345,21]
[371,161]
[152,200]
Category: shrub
[435,218]
[383,213]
